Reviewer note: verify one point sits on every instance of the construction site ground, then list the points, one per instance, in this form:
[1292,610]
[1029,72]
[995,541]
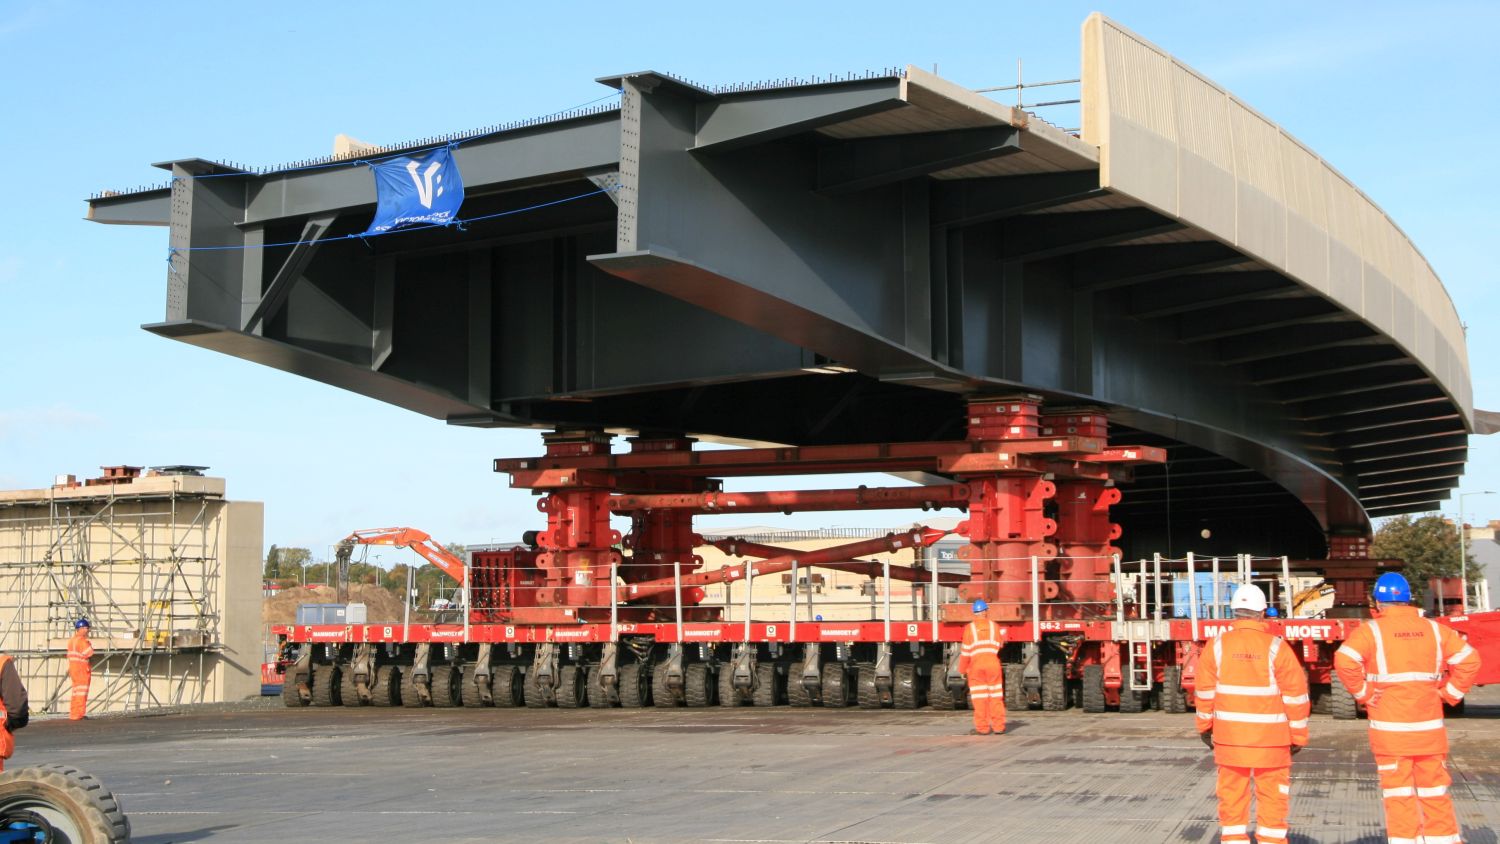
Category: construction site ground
[258,772]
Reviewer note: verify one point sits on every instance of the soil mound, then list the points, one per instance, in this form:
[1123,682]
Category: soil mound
[380,604]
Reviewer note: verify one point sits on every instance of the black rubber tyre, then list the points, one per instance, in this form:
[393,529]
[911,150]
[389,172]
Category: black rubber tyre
[506,686]
[469,689]
[348,693]
[698,685]
[75,804]
[1015,689]
[445,686]
[768,685]
[635,685]
[1341,703]
[387,688]
[598,698]
[728,694]
[1454,710]
[1317,694]
[906,687]
[570,690]
[1093,688]
[411,694]
[532,692]
[938,693]
[864,687]
[290,697]
[661,693]
[325,685]
[1173,696]
[1132,702]
[796,693]
[836,685]
[1054,687]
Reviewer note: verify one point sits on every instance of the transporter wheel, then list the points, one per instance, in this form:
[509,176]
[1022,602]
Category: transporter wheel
[635,685]
[469,691]
[661,693]
[1015,689]
[348,692]
[1054,687]
[1317,695]
[1341,703]
[1454,710]
[75,805]
[532,692]
[505,686]
[445,686]
[387,688]
[836,686]
[1093,688]
[906,687]
[769,690]
[289,694]
[864,690]
[1131,702]
[570,690]
[325,685]
[698,685]
[938,693]
[411,691]
[796,693]
[728,694]
[598,698]
[1173,696]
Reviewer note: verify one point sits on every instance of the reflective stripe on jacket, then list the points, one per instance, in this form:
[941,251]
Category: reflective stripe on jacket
[1251,691]
[80,651]
[1405,657]
[981,638]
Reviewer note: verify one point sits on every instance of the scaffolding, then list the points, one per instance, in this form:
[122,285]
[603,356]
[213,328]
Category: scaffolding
[143,561]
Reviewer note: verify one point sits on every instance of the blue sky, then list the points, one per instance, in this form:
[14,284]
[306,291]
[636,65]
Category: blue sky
[1403,103]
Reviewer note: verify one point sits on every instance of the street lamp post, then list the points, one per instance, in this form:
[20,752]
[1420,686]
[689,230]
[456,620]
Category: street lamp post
[1463,549]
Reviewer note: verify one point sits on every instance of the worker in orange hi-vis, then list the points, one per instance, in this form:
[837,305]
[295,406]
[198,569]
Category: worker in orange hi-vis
[80,651]
[1395,666]
[1252,710]
[979,662]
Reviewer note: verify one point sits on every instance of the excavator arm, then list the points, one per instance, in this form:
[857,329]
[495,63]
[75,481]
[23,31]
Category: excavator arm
[416,540]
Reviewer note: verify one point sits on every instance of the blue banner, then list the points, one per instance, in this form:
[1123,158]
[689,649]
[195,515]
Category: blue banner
[416,190]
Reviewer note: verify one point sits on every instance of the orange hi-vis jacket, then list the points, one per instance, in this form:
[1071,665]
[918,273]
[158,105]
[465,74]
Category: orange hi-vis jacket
[982,638]
[1403,656]
[1252,693]
[80,651]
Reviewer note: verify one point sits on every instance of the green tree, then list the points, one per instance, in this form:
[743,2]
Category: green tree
[272,569]
[1428,545]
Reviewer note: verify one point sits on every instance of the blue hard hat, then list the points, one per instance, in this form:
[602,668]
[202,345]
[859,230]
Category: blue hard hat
[80,624]
[980,606]
[1271,612]
[1392,588]
[818,617]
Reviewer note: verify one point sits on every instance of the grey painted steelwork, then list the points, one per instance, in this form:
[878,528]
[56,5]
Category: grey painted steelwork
[937,244]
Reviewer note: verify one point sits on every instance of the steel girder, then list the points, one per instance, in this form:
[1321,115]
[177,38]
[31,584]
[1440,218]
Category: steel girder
[833,263]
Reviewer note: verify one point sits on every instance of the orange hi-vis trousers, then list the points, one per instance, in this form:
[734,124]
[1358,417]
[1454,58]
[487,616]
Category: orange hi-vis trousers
[1417,805]
[1273,796]
[79,703]
[987,694]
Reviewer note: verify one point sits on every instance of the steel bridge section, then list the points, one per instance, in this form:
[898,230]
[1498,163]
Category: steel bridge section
[830,263]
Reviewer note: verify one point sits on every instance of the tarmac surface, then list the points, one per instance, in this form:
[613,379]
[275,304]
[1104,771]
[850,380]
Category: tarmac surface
[259,772]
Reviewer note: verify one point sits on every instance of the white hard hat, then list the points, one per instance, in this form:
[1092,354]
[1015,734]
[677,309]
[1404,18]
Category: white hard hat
[1248,597]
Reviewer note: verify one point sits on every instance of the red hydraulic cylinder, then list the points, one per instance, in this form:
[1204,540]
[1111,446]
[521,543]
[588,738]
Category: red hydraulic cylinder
[774,565]
[578,546]
[798,500]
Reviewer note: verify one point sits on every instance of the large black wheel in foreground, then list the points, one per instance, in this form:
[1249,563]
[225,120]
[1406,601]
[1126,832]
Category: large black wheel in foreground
[76,807]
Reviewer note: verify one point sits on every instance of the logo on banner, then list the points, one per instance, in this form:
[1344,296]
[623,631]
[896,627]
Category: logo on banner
[416,190]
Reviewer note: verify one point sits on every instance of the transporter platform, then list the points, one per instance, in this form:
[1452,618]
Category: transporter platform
[252,772]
